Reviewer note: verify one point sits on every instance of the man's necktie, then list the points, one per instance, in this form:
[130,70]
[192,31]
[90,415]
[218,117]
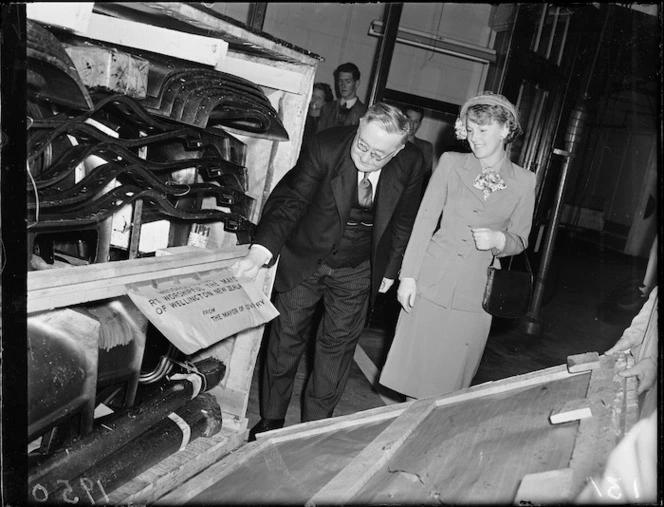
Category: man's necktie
[365,192]
[342,114]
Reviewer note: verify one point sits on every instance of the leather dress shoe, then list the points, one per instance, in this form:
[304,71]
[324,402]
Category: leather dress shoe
[265,425]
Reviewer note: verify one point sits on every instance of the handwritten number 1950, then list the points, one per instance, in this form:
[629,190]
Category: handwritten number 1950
[40,493]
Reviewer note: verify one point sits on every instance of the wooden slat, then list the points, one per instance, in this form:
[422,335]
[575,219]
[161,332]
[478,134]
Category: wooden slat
[213,473]
[572,410]
[185,46]
[598,435]
[176,469]
[263,72]
[71,16]
[347,483]
[583,362]
[56,288]
[500,386]
[381,413]
[186,13]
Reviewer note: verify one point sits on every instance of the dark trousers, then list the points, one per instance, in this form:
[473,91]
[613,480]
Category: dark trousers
[345,295]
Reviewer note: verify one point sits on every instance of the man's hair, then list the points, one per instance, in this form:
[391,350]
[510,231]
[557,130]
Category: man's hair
[415,109]
[392,119]
[347,67]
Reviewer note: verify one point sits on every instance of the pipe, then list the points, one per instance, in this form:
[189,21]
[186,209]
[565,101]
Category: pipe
[386,44]
[200,417]
[531,323]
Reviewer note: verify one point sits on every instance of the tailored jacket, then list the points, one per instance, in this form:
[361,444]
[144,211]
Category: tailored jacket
[305,215]
[447,266]
[328,114]
[427,151]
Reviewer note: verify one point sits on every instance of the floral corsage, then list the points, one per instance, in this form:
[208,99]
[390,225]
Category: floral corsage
[489,182]
[460,130]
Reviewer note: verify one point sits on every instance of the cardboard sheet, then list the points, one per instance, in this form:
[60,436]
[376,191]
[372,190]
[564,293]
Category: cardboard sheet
[197,311]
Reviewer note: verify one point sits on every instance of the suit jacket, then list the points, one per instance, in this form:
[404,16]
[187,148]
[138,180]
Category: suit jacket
[448,268]
[427,151]
[328,114]
[306,213]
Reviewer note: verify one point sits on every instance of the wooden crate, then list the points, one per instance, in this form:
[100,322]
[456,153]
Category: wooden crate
[474,446]
[286,75]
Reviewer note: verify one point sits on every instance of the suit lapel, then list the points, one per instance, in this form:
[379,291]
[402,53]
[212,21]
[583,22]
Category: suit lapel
[468,172]
[343,187]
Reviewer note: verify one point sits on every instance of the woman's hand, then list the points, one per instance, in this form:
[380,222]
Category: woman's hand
[486,239]
[406,293]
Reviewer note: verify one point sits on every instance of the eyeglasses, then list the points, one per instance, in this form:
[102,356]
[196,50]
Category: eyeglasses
[374,156]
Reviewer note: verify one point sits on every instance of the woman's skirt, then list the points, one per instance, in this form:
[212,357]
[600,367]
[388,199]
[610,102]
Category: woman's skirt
[435,350]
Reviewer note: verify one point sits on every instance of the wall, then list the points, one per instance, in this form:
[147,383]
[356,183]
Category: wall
[340,33]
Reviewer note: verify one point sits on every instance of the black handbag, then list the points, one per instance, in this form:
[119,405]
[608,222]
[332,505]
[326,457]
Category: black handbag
[508,291]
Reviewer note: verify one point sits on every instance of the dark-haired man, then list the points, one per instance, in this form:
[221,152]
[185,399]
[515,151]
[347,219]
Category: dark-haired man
[347,109]
[415,114]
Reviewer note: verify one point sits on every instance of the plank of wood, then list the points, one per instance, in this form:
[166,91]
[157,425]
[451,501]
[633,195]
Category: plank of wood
[347,483]
[70,16]
[508,384]
[552,487]
[210,475]
[312,428]
[57,288]
[372,374]
[186,13]
[392,411]
[598,435]
[583,362]
[176,469]
[631,407]
[186,46]
[263,72]
[572,410]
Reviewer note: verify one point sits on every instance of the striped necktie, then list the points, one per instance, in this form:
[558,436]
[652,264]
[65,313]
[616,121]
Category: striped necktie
[365,192]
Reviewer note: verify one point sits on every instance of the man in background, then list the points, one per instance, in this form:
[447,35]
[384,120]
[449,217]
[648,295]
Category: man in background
[415,114]
[347,109]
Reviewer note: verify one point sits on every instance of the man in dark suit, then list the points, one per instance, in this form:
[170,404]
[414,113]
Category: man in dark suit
[415,114]
[339,222]
[347,109]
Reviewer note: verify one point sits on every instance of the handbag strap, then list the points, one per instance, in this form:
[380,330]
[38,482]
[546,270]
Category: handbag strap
[509,266]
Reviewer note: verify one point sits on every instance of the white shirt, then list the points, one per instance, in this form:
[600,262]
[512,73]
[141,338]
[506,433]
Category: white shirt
[348,103]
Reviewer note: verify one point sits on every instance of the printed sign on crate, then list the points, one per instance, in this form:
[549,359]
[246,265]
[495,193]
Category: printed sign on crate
[198,310]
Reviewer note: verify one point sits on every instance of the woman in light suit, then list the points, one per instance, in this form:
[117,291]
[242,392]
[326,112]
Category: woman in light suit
[487,204]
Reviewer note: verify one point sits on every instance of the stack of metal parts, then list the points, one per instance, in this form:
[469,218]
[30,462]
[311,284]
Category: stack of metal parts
[206,98]
[90,155]
[125,443]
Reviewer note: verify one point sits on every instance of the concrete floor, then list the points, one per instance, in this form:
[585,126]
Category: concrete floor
[586,307]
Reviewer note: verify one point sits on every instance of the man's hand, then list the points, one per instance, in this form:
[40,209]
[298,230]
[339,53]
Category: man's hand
[645,371]
[406,293]
[385,285]
[486,239]
[248,267]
